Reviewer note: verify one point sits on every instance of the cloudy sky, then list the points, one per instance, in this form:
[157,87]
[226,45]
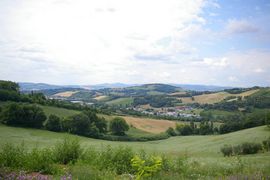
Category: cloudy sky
[136,41]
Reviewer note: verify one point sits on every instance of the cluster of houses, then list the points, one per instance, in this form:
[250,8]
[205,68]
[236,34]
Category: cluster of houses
[178,111]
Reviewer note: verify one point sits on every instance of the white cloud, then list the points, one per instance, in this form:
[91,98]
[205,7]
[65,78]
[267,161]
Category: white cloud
[259,70]
[136,41]
[223,62]
[233,79]
[99,38]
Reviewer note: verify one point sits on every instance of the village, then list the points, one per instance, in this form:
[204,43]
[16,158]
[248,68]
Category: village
[178,111]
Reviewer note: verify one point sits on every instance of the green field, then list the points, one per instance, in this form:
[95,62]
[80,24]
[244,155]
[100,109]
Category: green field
[61,112]
[195,146]
[121,101]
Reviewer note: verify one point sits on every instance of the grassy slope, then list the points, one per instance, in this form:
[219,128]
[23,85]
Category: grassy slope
[196,146]
[61,112]
[121,101]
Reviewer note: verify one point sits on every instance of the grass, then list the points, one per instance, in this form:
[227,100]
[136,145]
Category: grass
[195,146]
[154,93]
[61,112]
[121,101]
[203,152]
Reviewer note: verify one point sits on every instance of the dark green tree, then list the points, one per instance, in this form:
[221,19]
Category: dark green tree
[53,123]
[23,115]
[118,126]
[171,131]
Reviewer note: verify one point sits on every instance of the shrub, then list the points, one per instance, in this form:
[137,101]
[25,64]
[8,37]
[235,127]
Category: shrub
[118,126]
[266,144]
[170,131]
[12,156]
[17,158]
[237,149]
[117,159]
[250,148]
[40,161]
[244,148]
[146,167]
[67,151]
[121,159]
[227,150]
[53,123]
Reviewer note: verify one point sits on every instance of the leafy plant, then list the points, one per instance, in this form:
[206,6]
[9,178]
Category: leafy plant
[67,151]
[146,168]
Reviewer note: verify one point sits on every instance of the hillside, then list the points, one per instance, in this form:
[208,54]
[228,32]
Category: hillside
[197,146]
[216,97]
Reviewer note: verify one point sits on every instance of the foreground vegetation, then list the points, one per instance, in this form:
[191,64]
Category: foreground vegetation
[69,158]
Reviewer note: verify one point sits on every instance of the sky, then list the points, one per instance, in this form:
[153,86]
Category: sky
[209,42]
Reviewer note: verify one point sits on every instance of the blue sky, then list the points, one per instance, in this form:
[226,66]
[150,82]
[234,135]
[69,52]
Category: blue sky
[136,41]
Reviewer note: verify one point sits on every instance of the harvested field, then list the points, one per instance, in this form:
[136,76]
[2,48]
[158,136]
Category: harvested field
[150,125]
[214,97]
[66,93]
[100,98]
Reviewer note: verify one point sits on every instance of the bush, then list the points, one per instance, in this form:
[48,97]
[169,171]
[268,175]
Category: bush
[17,158]
[227,150]
[170,131]
[12,156]
[244,148]
[67,151]
[266,144]
[118,126]
[146,167]
[40,161]
[53,123]
[250,148]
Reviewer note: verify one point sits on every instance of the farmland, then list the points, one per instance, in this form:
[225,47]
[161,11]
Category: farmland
[215,97]
[66,93]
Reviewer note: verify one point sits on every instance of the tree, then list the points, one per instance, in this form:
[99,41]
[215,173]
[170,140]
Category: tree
[23,115]
[9,85]
[118,126]
[171,131]
[184,129]
[53,123]
[86,124]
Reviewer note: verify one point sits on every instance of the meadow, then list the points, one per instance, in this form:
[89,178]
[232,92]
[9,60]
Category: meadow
[195,146]
[194,157]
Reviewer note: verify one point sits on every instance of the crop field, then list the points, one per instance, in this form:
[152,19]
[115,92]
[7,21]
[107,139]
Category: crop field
[214,97]
[66,93]
[150,125]
[100,98]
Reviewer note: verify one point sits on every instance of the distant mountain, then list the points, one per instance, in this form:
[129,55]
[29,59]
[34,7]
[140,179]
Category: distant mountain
[156,87]
[107,85]
[195,87]
[25,86]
